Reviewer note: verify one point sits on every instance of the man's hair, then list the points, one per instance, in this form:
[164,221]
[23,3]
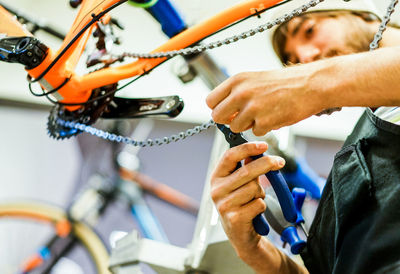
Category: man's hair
[280,35]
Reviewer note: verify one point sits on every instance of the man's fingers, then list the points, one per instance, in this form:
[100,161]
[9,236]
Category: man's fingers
[234,155]
[260,129]
[255,207]
[245,214]
[237,198]
[225,111]
[253,170]
[242,121]
[219,94]
[229,182]
[250,210]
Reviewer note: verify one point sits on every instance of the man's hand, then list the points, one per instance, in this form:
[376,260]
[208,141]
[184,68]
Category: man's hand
[265,100]
[239,198]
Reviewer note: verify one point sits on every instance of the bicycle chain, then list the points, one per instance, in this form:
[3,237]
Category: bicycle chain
[229,40]
[129,141]
[383,25]
[197,49]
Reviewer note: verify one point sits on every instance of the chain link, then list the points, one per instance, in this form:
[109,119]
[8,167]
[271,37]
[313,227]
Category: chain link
[383,25]
[197,49]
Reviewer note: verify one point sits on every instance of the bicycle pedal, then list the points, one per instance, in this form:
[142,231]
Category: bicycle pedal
[167,107]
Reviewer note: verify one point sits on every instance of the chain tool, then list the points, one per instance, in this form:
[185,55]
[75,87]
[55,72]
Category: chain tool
[197,49]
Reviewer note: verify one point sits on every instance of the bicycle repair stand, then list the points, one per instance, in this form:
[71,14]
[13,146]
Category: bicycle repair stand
[208,249]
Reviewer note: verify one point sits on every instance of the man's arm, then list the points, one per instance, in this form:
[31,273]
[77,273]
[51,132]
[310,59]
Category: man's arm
[273,99]
[368,79]
[238,197]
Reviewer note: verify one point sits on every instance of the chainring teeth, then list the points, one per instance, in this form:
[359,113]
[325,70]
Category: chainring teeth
[56,130]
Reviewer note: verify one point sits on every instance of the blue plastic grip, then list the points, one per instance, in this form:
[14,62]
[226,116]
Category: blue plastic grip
[260,225]
[167,15]
[299,194]
[282,191]
[284,196]
[290,236]
[305,177]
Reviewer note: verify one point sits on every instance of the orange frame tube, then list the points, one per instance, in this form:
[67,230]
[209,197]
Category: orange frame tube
[79,88]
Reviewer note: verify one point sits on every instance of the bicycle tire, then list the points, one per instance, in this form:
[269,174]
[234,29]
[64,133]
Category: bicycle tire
[41,212]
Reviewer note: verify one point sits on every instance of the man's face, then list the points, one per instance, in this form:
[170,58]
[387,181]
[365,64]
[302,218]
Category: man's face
[312,37]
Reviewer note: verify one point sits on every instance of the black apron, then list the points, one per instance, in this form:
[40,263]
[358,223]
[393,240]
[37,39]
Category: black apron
[357,225]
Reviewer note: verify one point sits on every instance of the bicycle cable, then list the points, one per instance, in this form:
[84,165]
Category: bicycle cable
[95,18]
[93,99]
[80,33]
[106,94]
[47,92]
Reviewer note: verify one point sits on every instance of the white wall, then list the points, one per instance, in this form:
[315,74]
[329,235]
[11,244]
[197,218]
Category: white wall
[32,165]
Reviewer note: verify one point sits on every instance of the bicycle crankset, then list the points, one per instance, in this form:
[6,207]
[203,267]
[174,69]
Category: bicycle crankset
[112,108]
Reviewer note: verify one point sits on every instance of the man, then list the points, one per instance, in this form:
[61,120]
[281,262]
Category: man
[356,228]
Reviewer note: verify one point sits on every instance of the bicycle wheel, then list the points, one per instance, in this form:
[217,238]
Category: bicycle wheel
[25,225]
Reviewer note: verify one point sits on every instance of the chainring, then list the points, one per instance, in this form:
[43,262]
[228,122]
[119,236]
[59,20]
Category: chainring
[55,129]
[87,114]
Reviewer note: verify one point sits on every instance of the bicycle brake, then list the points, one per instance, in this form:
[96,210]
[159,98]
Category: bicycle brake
[167,106]
[26,50]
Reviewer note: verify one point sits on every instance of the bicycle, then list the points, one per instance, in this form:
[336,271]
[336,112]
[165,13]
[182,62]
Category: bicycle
[84,99]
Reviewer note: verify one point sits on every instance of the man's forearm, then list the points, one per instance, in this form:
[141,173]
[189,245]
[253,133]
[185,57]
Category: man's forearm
[367,79]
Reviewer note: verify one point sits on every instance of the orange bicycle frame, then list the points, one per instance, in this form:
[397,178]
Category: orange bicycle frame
[78,88]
